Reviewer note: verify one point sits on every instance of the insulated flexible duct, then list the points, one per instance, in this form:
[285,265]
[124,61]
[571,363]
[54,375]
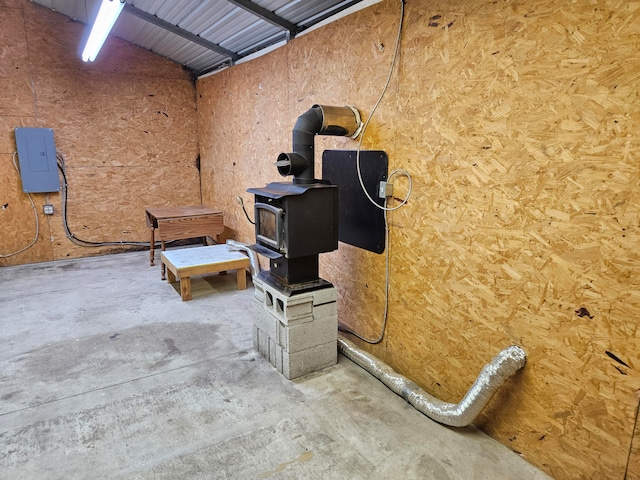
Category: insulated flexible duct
[492,376]
[253,256]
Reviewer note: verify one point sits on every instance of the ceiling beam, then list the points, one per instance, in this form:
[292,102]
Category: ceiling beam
[267,16]
[329,13]
[148,17]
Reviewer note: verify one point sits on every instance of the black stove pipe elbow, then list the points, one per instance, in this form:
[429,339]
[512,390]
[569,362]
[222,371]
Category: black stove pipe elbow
[300,162]
[319,119]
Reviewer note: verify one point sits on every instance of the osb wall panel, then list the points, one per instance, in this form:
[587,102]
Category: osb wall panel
[18,219]
[89,217]
[125,124]
[16,96]
[524,220]
[138,118]
[518,122]
[17,108]
[242,133]
[633,467]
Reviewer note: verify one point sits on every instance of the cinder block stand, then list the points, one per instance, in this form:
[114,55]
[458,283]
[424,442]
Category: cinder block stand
[297,334]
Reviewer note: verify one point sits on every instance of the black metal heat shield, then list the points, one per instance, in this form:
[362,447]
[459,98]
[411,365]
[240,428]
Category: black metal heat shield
[360,222]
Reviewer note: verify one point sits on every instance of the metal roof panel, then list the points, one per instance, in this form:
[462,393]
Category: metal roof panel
[165,23]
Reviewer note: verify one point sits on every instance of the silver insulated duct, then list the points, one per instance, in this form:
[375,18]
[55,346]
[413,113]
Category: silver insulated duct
[235,246]
[492,376]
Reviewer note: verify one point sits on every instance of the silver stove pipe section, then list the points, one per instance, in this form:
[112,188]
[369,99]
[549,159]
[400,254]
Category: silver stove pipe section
[236,246]
[492,376]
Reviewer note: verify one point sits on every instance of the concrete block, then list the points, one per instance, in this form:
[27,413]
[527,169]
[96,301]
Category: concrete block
[326,295]
[298,307]
[267,323]
[256,339]
[297,321]
[287,308]
[282,335]
[272,351]
[296,338]
[325,310]
[306,361]
[296,334]
[263,344]
[258,290]
[279,361]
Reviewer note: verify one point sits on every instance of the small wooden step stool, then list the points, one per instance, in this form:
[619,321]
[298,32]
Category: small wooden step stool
[184,263]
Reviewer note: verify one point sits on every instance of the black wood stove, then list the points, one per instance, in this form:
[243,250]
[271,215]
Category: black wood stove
[297,221]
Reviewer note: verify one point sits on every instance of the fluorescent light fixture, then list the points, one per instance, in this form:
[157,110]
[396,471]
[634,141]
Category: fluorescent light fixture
[107,16]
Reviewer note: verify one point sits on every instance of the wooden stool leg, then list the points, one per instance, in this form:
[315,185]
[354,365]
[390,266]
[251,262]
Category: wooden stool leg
[185,288]
[171,276]
[162,264]
[242,279]
[152,247]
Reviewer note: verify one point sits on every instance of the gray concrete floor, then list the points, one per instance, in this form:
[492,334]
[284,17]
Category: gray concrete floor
[106,373]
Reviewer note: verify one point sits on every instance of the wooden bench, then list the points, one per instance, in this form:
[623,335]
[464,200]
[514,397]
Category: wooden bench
[184,263]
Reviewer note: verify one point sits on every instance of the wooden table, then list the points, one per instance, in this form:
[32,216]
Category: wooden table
[177,223]
[184,263]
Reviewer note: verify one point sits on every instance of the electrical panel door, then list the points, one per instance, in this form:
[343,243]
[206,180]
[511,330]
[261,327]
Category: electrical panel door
[37,158]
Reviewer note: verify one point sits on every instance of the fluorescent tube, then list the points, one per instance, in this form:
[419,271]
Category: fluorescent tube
[107,16]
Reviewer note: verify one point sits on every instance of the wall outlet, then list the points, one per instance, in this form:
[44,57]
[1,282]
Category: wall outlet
[48,209]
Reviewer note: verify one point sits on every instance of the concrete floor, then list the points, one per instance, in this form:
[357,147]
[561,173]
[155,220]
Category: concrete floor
[106,373]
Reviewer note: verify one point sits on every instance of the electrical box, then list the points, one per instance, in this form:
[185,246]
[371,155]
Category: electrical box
[37,158]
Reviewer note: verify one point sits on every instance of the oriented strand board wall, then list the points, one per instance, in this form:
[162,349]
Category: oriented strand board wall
[242,133]
[519,122]
[126,125]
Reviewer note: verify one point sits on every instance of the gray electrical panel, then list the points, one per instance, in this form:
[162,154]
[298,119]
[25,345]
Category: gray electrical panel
[37,157]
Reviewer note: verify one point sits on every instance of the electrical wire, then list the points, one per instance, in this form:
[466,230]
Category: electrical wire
[245,211]
[73,238]
[366,124]
[384,207]
[386,293]
[35,213]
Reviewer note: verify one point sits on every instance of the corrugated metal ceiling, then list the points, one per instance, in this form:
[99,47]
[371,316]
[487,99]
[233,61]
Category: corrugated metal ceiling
[205,35]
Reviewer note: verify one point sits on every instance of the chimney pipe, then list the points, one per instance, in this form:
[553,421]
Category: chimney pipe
[322,120]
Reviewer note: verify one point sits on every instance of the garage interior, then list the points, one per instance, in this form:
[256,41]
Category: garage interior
[508,133]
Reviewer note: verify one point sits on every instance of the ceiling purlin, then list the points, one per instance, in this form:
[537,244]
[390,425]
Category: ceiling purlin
[329,13]
[267,16]
[148,17]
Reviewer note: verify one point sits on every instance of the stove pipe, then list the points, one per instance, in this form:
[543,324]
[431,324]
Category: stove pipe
[322,120]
